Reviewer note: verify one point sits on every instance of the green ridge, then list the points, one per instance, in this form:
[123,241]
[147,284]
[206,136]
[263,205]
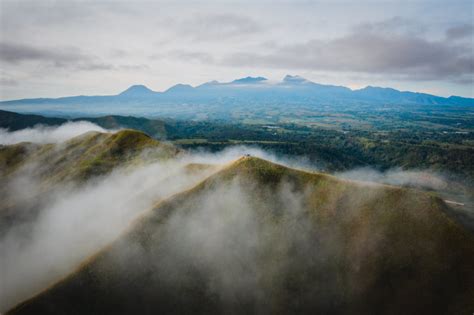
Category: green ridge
[354,248]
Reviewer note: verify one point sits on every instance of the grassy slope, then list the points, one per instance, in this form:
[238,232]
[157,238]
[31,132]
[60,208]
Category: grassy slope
[14,121]
[153,127]
[354,248]
[84,156]
[73,162]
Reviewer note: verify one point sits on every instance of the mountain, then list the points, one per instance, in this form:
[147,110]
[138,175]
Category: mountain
[290,90]
[92,154]
[153,127]
[333,150]
[258,237]
[61,202]
[76,161]
[137,91]
[180,88]
[295,79]
[395,96]
[14,121]
[249,80]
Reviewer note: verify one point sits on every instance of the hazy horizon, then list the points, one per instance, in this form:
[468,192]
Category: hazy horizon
[268,81]
[62,48]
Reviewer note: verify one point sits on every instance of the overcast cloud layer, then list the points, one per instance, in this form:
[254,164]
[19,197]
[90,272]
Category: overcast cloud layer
[57,48]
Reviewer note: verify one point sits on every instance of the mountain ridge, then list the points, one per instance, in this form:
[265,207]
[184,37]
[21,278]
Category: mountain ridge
[137,90]
[331,207]
[291,87]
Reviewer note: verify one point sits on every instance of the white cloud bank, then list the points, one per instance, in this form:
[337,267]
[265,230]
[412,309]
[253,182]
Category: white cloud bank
[46,134]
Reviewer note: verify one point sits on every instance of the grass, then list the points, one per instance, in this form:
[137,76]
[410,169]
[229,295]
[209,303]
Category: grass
[51,166]
[354,248]
[86,156]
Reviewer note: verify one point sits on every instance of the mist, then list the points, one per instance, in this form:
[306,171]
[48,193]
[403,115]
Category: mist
[398,177]
[47,134]
[76,221]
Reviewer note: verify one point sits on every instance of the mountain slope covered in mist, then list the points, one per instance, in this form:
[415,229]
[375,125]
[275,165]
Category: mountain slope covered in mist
[63,201]
[93,153]
[47,167]
[258,237]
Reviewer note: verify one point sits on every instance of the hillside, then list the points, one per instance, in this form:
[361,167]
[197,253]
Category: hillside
[334,150]
[62,202]
[91,154]
[48,167]
[153,127]
[258,237]
[14,121]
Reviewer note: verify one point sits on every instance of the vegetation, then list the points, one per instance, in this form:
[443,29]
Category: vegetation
[74,162]
[442,141]
[347,248]
[14,121]
[80,158]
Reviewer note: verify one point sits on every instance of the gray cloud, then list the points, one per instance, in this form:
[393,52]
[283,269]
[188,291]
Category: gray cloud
[197,56]
[187,56]
[460,31]
[217,26]
[410,57]
[42,13]
[8,82]
[69,57]
[133,67]
[395,25]
[110,34]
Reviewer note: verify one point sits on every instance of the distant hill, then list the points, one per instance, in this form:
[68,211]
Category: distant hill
[257,238]
[336,151]
[290,89]
[153,127]
[14,121]
[137,91]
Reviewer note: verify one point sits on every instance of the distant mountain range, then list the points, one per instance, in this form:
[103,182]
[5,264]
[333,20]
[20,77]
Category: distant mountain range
[292,89]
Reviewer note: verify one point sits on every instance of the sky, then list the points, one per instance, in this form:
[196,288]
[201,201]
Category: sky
[61,48]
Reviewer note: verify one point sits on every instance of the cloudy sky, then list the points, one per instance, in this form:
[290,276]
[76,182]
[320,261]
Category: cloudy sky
[59,48]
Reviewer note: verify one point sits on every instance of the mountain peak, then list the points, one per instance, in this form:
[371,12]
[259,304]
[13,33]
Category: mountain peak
[210,83]
[294,79]
[137,90]
[249,80]
[378,88]
[180,88]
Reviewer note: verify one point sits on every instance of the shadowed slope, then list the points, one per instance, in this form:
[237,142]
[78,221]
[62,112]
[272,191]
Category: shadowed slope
[257,237]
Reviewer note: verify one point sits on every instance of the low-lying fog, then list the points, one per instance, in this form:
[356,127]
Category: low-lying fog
[75,222]
[45,134]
